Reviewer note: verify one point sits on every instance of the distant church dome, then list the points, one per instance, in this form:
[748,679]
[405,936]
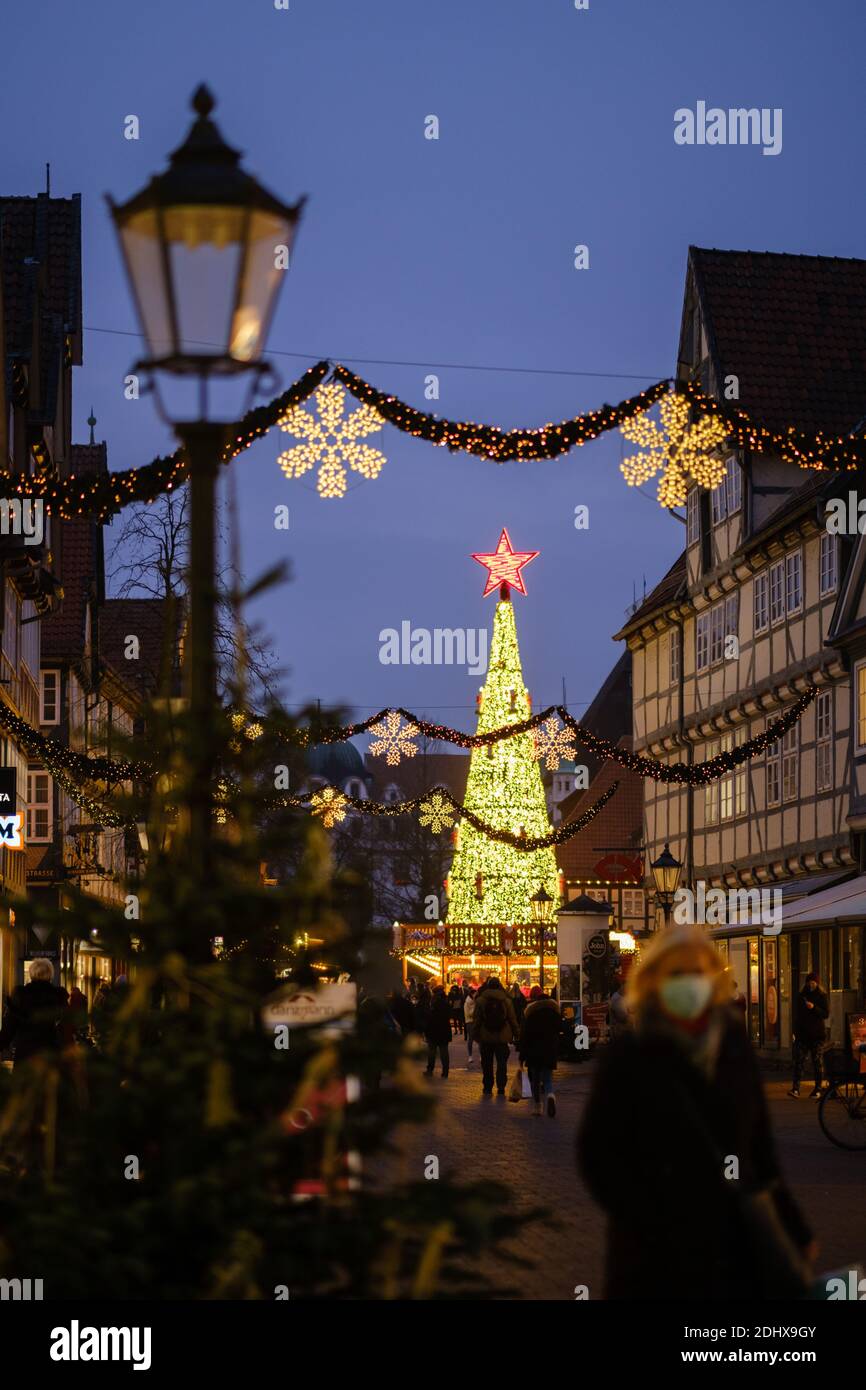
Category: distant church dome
[335,762]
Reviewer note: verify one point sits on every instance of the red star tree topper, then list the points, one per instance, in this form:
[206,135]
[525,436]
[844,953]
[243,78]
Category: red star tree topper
[504,566]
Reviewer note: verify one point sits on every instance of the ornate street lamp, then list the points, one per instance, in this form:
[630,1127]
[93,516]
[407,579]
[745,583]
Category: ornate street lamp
[205,247]
[541,903]
[666,872]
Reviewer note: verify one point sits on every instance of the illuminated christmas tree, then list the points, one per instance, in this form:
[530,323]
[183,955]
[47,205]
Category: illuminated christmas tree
[492,883]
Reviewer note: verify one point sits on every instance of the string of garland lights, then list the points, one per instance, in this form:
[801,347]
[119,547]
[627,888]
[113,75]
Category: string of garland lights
[807,449]
[437,810]
[103,496]
[389,735]
[486,441]
[89,767]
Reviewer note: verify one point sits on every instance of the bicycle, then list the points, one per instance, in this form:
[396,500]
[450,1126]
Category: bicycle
[842,1108]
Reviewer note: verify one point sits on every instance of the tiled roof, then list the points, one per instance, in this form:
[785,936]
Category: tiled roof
[78,548]
[668,589]
[618,825]
[40,243]
[417,775]
[792,329]
[144,618]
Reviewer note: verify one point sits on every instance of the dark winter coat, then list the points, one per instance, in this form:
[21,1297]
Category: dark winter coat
[438,1030]
[809,1023]
[456,999]
[539,1034]
[482,1020]
[651,1150]
[34,1022]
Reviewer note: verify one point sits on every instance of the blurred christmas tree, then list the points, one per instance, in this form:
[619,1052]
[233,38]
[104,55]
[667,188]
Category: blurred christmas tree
[167,1164]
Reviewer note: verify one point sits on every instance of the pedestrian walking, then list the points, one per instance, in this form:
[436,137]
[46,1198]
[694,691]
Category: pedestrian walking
[38,1017]
[422,1008]
[740,1003]
[676,1099]
[494,1024]
[810,1031]
[538,1047]
[468,1016]
[620,1018]
[455,1002]
[78,1013]
[518,1001]
[438,1031]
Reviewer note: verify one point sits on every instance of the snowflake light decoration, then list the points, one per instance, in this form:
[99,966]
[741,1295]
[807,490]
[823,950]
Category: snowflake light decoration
[331,441]
[553,743]
[678,450]
[330,804]
[436,812]
[393,738]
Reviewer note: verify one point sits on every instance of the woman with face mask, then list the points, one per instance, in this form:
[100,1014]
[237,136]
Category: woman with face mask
[676,1145]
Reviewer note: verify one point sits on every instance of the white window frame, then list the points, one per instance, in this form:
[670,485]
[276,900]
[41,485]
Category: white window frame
[43,717]
[732,616]
[828,564]
[717,634]
[40,803]
[761,601]
[824,741]
[719,498]
[702,641]
[674,655]
[633,902]
[777,593]
[791,764]
[774,772]
[794,590]
[693,516]
[726,789]
[741,802]
[734,484]
[711,790]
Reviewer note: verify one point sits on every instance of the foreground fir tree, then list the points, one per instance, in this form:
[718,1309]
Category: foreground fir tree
[168,1163]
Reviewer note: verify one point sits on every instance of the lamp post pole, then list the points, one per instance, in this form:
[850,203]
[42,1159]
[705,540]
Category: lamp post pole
[202,442]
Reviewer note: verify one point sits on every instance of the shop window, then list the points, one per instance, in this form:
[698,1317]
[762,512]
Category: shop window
[861,705]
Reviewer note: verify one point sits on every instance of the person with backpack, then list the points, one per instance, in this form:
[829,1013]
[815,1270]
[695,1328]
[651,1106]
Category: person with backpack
[494,1025]
[438,1031]
[539,1046]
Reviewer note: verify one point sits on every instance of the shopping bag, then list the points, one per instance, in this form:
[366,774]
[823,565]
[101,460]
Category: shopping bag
[515,1090]
[527,1088]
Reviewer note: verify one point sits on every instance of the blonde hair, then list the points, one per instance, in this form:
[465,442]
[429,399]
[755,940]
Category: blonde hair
[652,965]
[41,969]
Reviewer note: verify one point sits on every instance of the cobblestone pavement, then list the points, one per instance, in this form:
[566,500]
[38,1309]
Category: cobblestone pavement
[494,1138]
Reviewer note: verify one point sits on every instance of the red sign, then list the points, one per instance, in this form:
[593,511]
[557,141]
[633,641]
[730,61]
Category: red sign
[616,867]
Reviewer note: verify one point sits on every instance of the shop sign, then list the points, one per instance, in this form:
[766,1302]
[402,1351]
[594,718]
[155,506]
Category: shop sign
[332,1006]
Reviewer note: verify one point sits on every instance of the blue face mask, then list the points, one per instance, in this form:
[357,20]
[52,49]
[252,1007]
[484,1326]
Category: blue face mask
[686,996]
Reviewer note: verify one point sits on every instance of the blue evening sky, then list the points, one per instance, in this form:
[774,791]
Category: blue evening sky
[556,128]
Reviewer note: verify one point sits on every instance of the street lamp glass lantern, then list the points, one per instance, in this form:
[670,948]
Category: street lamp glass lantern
[206,248]
[666,872]
[541,903]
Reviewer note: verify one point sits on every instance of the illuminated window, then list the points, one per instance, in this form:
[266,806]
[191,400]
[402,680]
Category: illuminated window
[741,773]
[726,787]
